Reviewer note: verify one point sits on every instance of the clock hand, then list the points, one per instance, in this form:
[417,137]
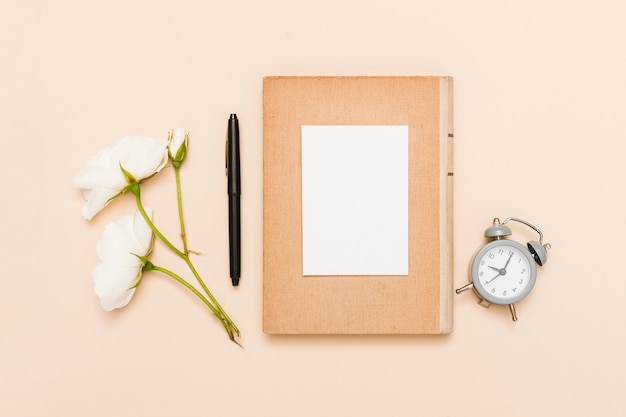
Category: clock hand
[488,282]
[501,271]
[508,260]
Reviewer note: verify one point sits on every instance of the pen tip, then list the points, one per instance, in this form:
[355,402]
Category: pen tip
[233,116]
[235,282]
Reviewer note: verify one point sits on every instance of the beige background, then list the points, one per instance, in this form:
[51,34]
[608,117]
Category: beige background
[539,105]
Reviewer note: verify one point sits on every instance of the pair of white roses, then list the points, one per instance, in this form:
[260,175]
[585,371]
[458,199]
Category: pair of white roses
[125,244]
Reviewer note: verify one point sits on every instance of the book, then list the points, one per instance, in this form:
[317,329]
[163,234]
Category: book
[328,269]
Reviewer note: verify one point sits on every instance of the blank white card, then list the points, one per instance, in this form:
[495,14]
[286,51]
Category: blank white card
[355,200]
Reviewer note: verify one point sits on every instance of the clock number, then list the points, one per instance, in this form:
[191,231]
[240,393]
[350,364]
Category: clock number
[521,281]
[491,255]
[500,252]
[482,263]
[523,271]
[493,290]
[504,292]
[514,289]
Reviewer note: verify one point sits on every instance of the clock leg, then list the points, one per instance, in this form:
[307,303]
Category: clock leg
[465,288]
[512,308]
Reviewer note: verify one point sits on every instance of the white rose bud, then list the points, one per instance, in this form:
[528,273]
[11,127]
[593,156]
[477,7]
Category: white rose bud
[177,146]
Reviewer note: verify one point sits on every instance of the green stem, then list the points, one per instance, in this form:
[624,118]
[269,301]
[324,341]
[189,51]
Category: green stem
[186,250]
[135,191]
[179,198]
[208,293]
[225,322]
[216,308]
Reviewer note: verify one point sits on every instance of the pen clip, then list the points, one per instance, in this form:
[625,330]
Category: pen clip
[226,155]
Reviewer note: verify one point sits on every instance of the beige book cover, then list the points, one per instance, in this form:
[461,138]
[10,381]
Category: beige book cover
[303,119]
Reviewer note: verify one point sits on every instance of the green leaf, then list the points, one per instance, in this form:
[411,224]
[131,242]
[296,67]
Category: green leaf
[130,179]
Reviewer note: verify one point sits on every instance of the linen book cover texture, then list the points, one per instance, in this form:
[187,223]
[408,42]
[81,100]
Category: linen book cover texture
[417,303]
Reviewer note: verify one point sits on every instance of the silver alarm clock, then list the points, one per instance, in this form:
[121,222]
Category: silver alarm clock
[503,271]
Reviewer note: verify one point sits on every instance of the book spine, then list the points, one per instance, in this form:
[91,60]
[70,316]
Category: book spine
[447,194]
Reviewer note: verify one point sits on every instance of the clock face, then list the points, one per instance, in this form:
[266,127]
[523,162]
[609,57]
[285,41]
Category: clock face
[503,272]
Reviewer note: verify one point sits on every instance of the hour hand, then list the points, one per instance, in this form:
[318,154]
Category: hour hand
[494,268]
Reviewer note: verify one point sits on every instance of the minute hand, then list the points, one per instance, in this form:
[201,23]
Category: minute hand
[489,282]
[508,260]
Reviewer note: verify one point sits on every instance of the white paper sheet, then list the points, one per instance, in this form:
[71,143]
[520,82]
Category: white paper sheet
[355,200]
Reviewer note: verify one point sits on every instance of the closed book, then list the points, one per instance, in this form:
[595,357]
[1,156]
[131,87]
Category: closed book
[357,205]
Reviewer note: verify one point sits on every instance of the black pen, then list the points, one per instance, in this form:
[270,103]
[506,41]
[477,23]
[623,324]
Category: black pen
[234,191]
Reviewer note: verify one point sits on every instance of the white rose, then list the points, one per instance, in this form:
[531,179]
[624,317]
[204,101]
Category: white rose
[103,178]
[178,144]
[122,251]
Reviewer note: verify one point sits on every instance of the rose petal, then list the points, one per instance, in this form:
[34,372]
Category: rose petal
[179,137]
[102,178]
[100,172]
[142,232]
[142,156]
[120,249]
[96,199]
[116,245]
[114,285]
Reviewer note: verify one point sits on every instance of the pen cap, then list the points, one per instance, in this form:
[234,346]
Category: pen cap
[234,177]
